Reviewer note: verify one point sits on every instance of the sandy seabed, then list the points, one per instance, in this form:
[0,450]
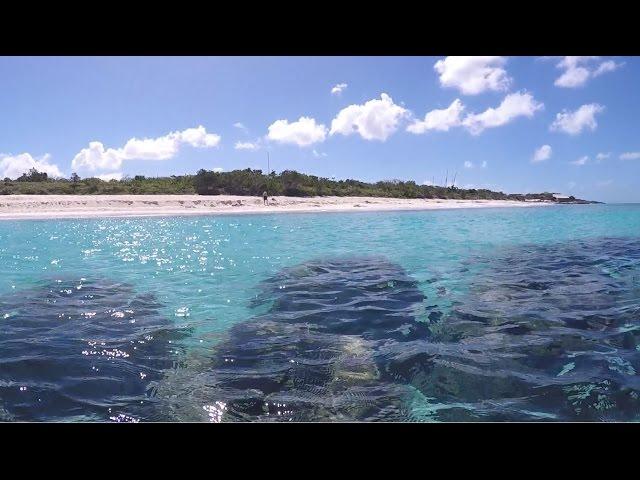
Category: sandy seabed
[14,207]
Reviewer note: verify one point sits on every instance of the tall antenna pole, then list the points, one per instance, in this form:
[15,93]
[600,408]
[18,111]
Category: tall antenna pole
[446,179]
[268,164]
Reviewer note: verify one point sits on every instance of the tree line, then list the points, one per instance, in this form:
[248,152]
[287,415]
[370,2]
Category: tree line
[247,182]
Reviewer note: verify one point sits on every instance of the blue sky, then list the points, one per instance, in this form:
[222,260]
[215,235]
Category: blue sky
[485,118]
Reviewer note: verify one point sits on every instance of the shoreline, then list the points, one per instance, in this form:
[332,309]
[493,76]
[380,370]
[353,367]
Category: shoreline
[38,207]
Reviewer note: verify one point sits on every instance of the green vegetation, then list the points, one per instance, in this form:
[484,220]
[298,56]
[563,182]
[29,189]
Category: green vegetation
[36,183]
[247,182]
[295,184]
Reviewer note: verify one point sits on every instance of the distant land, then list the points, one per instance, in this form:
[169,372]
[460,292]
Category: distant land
[250,182]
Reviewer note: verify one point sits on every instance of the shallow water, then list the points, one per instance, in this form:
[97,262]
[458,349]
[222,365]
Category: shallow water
[497,314]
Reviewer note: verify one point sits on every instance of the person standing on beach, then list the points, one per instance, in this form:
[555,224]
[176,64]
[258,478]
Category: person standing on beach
[264,197]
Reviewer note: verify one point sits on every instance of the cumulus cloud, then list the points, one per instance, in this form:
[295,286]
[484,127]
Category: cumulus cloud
[198,137]
[574,74]
[303,132]
[13,166]
[247,146]
[218,169]
[605,67]
[161,148]
[373,120]
[241,126]
[575,122]
[339,88]
[578,69]
[630,156]
[603,156]
[473,75]
[581,161]
[541,154]
[514,105]
[107,177]
[318,154]
[441,120]
[468,164]
[484,164]
[96,157]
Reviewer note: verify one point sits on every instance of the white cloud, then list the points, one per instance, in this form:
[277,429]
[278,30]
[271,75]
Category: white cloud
[441,120]
[198,137]
[484,164]
[574,74]
[603,156]
[241,126]
[574,123]
[161,148]
[468,164]
[572,78]
[106,177]
[247,146]
[605,67]
[427,182]
[318,154]
[303,133]
[630,156]
[577,70]
[374,120]
[473,75]
[580,162]
[339,88]
[96,157]
[514,105]
[541,154]
[218,169]
[13,166]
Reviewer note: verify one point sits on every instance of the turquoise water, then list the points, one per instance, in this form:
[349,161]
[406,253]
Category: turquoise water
[206,275]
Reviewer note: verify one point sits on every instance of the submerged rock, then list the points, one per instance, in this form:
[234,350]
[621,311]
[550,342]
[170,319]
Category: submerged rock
[313,355]
[546,332]
[82,350]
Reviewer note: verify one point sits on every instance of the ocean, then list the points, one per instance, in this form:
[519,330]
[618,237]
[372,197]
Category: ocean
[506,314]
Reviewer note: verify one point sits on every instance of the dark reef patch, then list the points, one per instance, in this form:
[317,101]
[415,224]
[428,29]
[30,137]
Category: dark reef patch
[547,332]
[313,355]
[82,350]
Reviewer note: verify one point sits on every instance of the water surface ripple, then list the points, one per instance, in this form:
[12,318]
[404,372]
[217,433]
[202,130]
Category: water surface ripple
[528,314]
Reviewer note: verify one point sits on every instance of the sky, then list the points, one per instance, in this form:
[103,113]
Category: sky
[517,124]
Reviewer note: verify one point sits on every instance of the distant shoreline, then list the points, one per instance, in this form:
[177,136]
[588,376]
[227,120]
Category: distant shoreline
[16,207]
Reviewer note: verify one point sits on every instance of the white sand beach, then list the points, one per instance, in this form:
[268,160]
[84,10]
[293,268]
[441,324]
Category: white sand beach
[88,206]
